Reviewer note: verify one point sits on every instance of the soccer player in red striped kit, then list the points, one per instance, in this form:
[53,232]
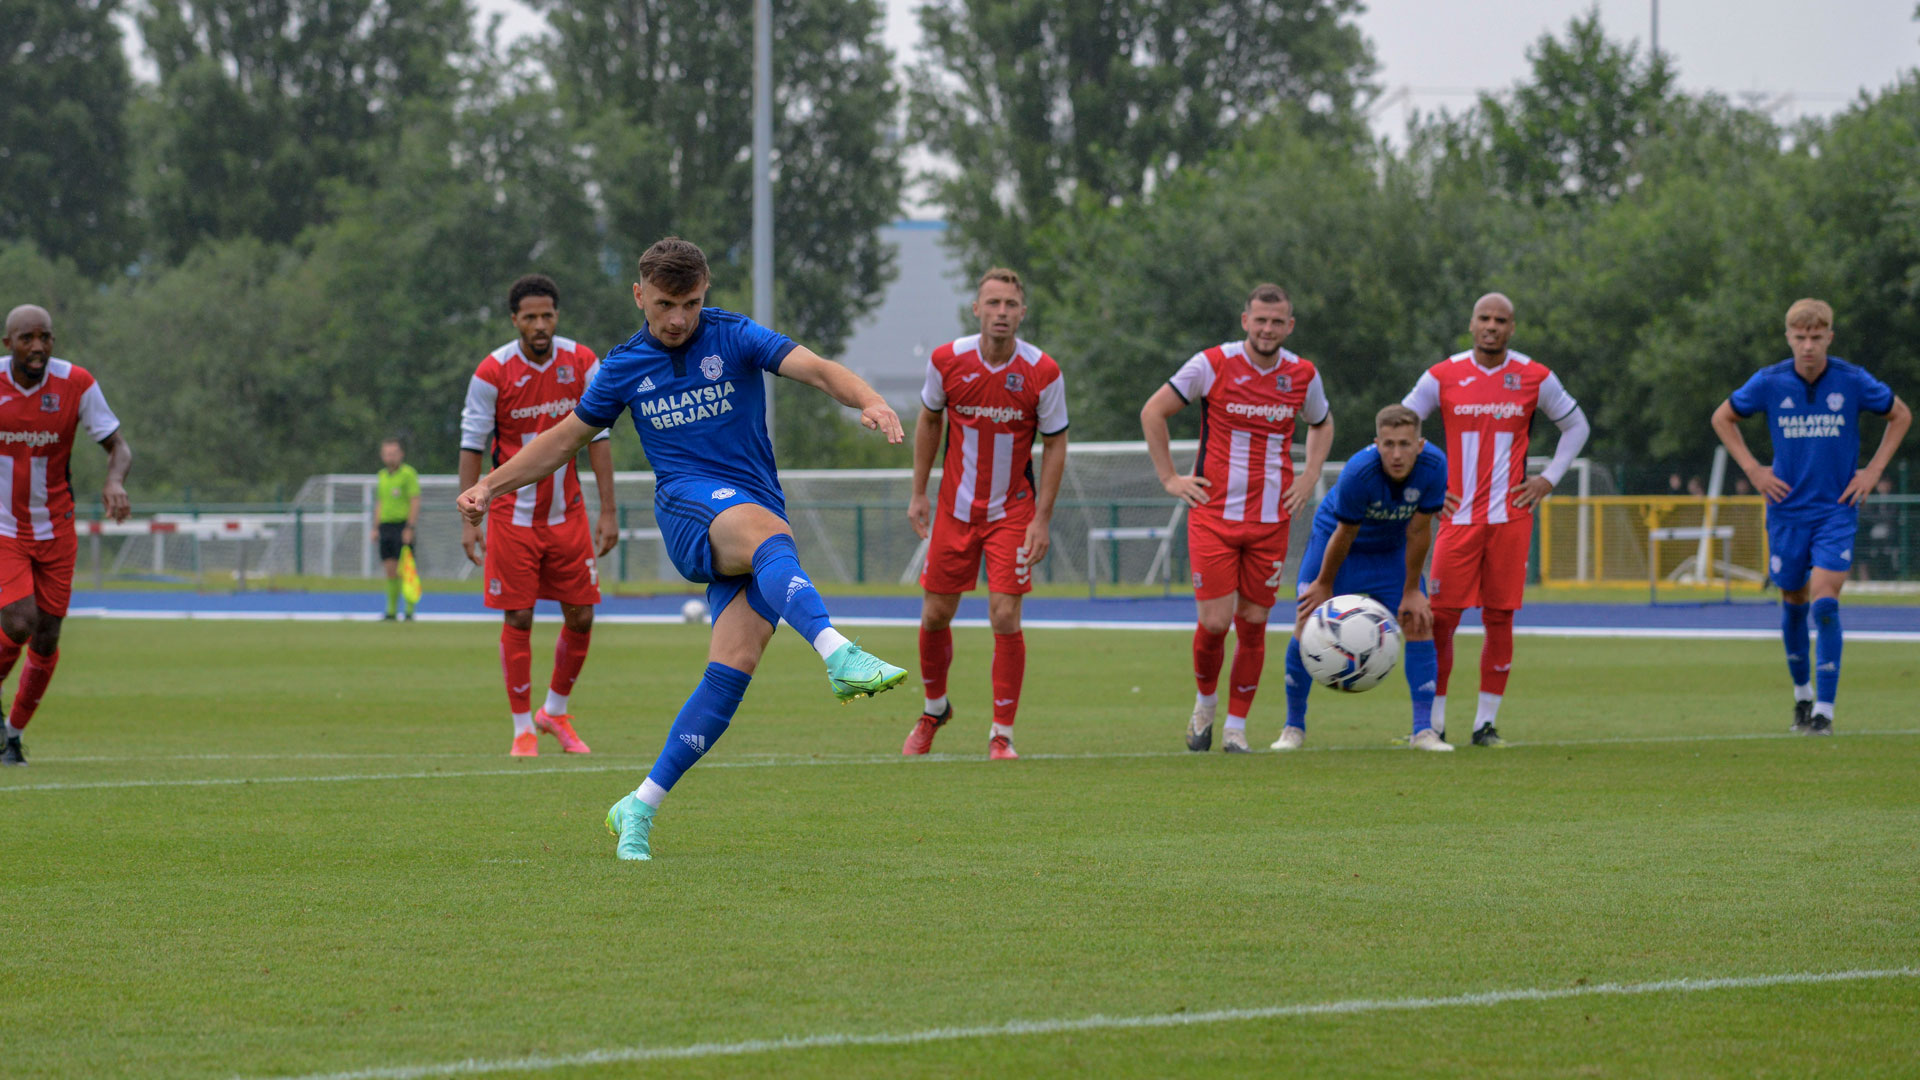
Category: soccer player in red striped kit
[997,392]
[44,402]
[537,546]
[1487,397]
[1242,495]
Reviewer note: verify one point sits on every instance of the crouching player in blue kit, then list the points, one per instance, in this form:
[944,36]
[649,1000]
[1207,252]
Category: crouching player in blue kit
[692,379]
[1813,489]
[1370,537]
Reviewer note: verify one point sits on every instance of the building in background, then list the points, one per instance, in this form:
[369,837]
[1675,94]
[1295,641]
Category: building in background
[921,311]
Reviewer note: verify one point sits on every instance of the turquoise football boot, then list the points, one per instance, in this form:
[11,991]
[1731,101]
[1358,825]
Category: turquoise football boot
[632,821]
[853,672]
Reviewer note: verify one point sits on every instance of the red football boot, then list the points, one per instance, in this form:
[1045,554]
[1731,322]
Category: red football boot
[920,739]
[560,727]
[1000,748]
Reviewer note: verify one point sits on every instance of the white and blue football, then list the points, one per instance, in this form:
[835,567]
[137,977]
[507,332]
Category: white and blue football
[1350,643]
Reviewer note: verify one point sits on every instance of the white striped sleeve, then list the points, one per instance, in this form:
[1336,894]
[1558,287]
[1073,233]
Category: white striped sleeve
[1052,412]
[477,416]
[95,416]
[1555,402]
[933,393]
[1194,379]
[1424,397]
[1314,409]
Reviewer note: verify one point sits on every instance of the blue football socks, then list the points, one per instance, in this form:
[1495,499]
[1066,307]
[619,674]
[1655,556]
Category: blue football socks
[1826,673]
[777,573]
[702,720]
[1422,664]
[1793,631]
[1299,683]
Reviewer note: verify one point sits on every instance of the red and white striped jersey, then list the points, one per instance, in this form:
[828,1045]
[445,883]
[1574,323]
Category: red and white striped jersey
[992,417]
[1487,413]
[1246,428]
[36,446]
[510,400]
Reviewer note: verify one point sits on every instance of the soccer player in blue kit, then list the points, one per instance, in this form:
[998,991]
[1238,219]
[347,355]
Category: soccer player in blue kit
[1370,536]
[692,379]
[1813,489]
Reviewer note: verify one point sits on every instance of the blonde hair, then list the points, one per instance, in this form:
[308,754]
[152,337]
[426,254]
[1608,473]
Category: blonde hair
[1810,314]
[1396,416]
[1001,273]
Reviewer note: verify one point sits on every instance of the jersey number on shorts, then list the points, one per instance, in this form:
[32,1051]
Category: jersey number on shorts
[1274,581]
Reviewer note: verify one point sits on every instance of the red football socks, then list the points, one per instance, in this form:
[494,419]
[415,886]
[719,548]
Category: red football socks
[1249,656]
[1496,653]
[1445,622]
[33,684]
[516,663]
[936,656]
[1209,651]
[1009,671]
[569,653]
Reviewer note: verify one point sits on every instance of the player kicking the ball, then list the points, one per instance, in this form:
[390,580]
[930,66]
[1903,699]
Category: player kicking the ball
[692,380]
[44,403]
[1813,404]
[1487,398]
[537,543]
[1370,536]
[1242,496]
[997,392]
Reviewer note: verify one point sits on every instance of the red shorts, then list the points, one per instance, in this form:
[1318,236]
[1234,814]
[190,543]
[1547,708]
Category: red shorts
[956,548]
[1481,565]
[1235,557]
[42,569]
[545,562]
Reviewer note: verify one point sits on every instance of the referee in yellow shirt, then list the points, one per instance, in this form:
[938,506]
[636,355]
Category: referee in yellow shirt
[398,489]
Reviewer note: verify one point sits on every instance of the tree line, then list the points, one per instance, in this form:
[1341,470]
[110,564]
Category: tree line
[293,234]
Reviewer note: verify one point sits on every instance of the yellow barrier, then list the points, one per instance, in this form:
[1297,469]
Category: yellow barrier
[1603,539]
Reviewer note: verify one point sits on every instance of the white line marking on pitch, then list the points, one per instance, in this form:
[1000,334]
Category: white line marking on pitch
[1013,1028]
[780,762]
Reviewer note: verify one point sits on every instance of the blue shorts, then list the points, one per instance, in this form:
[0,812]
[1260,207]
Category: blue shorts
[1379,574]
[685,508]
[1799,545]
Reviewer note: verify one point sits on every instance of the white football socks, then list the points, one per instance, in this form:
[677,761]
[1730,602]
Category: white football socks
[1440,714]
[936,706]
[1208,702]
[13,732]
[828,641]
[1236,723]
[1489,711]
[556,704]
[1823,708]
[650,793]
[523,723]
[1003,731]
[1803,692]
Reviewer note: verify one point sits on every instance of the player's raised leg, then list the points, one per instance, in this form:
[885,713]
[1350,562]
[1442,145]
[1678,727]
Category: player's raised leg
[749,539]
[740,636]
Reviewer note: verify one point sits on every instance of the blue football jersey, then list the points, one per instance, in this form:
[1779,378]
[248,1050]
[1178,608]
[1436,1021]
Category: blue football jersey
[1366,496]
[1815,428]
[700,409]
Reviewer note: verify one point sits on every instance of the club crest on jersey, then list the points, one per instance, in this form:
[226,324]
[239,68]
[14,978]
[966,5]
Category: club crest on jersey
[1511,380]
[1412,495]
[711,367]
[1834,401]
[563,374]
[51,402]
[1283,383]
[1015,382]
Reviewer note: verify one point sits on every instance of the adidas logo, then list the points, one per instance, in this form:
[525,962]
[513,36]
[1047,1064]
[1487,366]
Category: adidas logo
[1786,402]
[796,585]
[645,385]
[1428,687]
[698,742]
[1828,666]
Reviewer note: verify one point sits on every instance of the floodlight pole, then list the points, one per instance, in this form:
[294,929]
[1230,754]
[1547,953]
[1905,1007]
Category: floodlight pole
[1656,29]
[763,178]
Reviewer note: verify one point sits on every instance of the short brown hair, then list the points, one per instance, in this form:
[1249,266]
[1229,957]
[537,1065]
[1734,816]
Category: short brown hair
[675,266]
[1809,314]
[1395,416]
[1001,273]
[1268,293]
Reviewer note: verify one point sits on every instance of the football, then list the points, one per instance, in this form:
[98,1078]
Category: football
[694,611]
[1350,643]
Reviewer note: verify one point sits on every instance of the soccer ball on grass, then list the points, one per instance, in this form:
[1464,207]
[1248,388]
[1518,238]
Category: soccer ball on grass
[694,611]
[1350,643]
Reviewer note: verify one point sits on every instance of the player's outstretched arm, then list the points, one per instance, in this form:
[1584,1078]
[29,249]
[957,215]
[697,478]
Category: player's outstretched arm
[1191,490]
[1416,616]
[1320,589]
[1899,418]
[537,460]
[843,386]
[113,493]
[1726,424]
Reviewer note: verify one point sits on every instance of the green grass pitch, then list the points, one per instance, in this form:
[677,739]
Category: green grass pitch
[393,891]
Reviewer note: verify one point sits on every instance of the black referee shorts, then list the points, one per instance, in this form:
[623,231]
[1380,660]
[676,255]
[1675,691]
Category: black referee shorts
[390,544]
